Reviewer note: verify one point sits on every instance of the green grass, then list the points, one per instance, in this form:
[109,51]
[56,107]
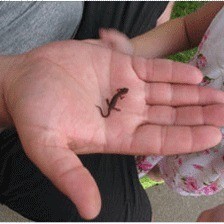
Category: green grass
[184,8]
[181,9]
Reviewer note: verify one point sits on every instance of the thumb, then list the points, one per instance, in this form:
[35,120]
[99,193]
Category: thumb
[65,170]
[116,40]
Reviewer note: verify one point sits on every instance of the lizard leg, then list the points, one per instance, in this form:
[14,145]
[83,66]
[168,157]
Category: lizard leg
[117,109]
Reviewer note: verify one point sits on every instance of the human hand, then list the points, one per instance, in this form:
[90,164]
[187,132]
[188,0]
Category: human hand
[215,214]
[50,95]
[116,40]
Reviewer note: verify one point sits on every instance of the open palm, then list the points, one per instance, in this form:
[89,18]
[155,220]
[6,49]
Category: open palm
[52,100]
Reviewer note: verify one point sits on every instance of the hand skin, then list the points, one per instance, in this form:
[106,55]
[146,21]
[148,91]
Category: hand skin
[50,95]
[215,214]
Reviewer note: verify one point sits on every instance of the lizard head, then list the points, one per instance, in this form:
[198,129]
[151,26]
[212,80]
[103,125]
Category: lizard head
[123,90]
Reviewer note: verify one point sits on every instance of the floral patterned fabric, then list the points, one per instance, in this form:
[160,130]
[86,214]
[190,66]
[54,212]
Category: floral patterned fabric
[199,173]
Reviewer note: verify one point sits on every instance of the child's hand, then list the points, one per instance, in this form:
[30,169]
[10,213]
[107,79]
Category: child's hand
[212,215]
[116,41]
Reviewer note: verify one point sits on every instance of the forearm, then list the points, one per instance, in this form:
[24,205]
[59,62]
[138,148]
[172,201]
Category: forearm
[176,35]
[162,41]
[198,22]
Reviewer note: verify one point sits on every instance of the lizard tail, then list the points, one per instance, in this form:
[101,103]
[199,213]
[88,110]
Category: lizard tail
[101,112]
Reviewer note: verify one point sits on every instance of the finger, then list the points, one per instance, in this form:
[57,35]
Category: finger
[168,140]
[67,173]
[176,95]
[95,42]
[192,115]
[162,70]
[116,40]
[205,216]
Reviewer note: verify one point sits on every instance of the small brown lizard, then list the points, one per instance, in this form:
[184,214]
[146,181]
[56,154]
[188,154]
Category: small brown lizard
[111,104]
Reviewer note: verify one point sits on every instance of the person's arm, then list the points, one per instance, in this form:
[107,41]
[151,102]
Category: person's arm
[176,35]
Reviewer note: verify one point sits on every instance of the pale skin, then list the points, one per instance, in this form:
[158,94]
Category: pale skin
[174,36]
[51,99]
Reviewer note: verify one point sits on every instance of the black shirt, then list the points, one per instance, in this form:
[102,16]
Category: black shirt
[131,18]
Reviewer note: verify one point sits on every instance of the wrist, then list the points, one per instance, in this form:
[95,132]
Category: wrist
[142,46]
[134,43]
